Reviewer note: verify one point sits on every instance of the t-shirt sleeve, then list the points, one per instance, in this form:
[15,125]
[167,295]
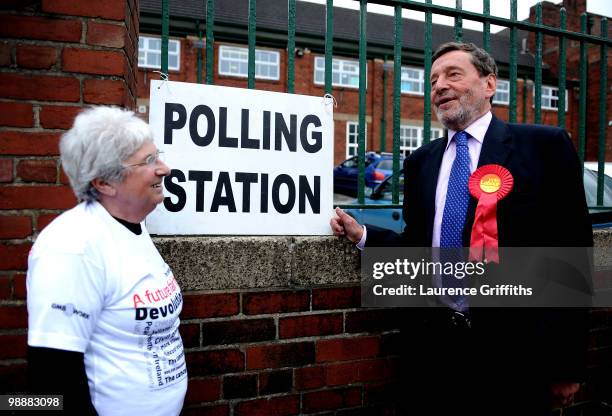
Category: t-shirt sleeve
[65,296]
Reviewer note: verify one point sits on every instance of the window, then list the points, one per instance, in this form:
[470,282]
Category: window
[411,137]
[502,94]
[352,137]
[412,80]
[550,98]
[149,53]
[234,61]
[345,73]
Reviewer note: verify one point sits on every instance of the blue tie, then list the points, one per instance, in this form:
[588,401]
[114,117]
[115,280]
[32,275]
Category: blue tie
[457,195]
[455,211]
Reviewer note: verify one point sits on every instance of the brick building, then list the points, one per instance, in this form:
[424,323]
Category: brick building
[230,65]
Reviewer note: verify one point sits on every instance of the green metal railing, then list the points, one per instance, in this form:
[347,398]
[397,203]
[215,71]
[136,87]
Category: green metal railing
[459,14]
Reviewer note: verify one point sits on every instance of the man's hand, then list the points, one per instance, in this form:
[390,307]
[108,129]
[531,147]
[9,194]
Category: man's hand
[563,393]
[343,224]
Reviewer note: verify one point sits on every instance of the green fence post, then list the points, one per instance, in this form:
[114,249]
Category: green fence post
[210,41]
[561,95]
[383,118]
[513,65]
[537,101]
[458,23]
[583,91]
[603,113]
[363,12]
[290,46]
[329,44]
[525,92]
[199,70]
[165,35]
[426,77]
[252,32]
[397,88]
[486,26]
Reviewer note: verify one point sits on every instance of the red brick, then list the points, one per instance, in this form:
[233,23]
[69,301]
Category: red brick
[331,399]
[280,355]
[221,410]
[93,62]
[307,378]
[63,177]
[239,386]
[102,91]
[43,220]
[279,381]
[203,390]
[372,320]
[36,197]
[58,116]
[19,286]
[36,57]
[209,305]
[103,34]
[42,28]
[13,317]
[6,285]
[108,9]
[310,325]
[275,302]
[13,346]
[6,170]
[204,363]
[16,115]
[14,226]
[275,406]
[360,371]
[238,331]
[336,298]
[29,144]
[344,349]
[190,334]
[5,54]
[37,170]
[40,87]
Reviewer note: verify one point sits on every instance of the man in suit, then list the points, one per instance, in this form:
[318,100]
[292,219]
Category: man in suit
[498,361]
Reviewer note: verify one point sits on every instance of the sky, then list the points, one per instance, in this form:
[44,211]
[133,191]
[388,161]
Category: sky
[499,8]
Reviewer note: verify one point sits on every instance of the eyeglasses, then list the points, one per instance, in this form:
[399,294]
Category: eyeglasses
[151,160]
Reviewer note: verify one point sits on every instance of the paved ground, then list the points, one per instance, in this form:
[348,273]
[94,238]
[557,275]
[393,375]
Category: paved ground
[343,199]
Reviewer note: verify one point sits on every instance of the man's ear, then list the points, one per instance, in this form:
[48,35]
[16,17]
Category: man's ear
[491,85]
[104,187]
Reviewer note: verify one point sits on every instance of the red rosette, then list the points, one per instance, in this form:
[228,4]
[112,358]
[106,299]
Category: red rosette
[488,184]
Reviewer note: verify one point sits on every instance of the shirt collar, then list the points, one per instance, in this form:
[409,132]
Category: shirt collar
[477,129]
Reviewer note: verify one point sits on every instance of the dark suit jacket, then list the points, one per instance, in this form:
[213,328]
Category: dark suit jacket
[546,208]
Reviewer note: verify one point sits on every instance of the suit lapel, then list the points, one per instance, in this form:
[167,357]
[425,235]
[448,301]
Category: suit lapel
[496,148]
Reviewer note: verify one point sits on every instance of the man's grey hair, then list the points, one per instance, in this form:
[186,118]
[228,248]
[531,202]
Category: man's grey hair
[484,63]
[100,140]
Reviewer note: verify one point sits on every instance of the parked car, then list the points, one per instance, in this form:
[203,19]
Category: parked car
[378,167]
[392,218]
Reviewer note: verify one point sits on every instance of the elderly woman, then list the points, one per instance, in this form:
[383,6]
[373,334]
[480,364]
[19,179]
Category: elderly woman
[103,305]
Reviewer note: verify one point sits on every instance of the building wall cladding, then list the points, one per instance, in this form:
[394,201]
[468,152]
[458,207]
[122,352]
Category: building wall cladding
[290,349]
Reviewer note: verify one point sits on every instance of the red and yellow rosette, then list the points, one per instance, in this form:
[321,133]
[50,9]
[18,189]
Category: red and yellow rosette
[488,184]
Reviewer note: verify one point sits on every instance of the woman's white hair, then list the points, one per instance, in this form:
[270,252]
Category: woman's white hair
[100,140]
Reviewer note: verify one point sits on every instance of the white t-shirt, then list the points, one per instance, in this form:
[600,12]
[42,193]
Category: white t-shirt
[97,288]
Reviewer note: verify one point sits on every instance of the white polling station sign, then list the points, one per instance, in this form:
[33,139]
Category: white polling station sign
[243,162]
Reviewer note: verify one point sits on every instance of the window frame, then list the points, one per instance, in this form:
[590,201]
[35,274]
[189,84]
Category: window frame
[551,88]
[221,59]
[507,82]
[320,58]
[420,132]
[355,146]
[421,80]
[146,50]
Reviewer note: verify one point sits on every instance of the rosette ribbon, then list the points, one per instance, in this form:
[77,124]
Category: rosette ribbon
[488,184]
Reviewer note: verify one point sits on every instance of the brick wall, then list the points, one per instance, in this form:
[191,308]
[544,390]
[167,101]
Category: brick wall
[287,352]
[56,57]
